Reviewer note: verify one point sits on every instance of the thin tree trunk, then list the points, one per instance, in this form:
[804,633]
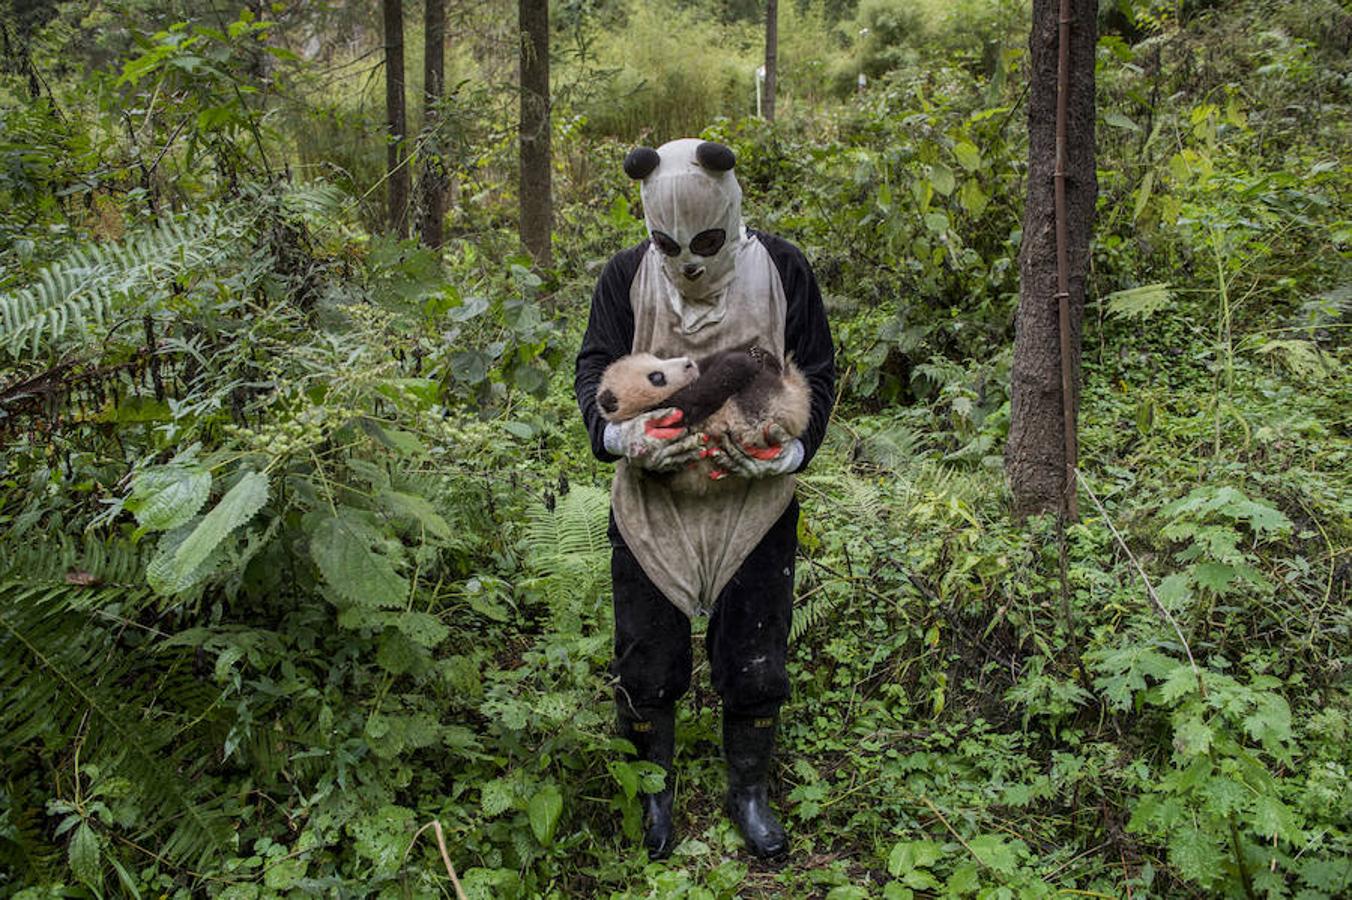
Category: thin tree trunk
[395,117]
[536,206]
[771,58]
[1036,454]
[432,179]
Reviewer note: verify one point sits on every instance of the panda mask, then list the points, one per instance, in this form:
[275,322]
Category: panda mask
[693,207]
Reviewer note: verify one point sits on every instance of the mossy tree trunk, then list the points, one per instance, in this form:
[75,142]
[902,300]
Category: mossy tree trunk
[536,204]
[396,119]
[432,179]
[771,58]
[1036,455]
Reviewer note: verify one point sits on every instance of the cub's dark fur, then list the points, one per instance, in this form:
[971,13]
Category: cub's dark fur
[736,393]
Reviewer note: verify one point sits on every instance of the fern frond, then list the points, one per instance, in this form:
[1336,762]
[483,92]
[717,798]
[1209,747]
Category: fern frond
[316,201]
[65,664]
[567,548]
[817,608]
[96,280]
[62,672]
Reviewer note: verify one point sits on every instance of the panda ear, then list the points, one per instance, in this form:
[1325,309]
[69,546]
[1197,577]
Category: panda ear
[640,162]
[715,157]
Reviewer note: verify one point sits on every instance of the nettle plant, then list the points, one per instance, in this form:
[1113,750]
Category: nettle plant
[1218,528]
[1226,800]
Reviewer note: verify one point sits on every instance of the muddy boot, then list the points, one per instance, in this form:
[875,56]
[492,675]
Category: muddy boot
[654,736]
[747,743]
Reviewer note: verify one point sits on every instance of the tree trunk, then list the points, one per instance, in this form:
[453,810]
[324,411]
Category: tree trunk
[537,207]
[432,179]
[1036,457]
[771,58]
[395,118]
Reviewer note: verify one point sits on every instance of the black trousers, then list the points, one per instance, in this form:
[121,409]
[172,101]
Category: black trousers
[747,639]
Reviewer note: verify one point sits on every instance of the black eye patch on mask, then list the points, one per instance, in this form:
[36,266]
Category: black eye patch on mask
[706,243]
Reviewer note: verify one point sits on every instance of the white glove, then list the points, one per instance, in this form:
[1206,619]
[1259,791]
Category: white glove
[654,440]
[783,455]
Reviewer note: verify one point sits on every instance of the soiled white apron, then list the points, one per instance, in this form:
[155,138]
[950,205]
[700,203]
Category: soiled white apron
[691,546]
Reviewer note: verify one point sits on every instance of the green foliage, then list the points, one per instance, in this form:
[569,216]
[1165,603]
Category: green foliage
[80,295]
[302,547]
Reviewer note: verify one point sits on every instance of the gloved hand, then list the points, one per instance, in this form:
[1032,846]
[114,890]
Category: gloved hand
[654,440]
[780,455]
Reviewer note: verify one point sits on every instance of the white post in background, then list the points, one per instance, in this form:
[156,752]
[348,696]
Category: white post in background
[760,87]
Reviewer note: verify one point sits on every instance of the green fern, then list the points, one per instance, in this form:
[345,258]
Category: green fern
[568,551]
[95,281]
[64,667]
[1139,302]
[818,607]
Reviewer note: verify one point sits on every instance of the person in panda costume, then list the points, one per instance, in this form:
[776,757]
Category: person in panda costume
[700,284]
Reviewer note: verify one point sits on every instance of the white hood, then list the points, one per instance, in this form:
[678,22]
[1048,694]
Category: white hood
[692,190]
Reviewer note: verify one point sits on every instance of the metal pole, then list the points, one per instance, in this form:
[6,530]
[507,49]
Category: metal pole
[1070,503]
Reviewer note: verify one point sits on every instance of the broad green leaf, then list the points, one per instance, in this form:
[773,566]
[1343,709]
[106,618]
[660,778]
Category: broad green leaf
[967,155]
[1175,592]
[162,574]
[165,497]
[544,810]
[1143,195]
[1117,120]
[625,777]
[1196,855]
[941,178]
[469,366]
[1270,722]
[418,509]
[472,308]
[423,628]
[383,837]
[402,442]
[1273,817]
[908,855]
[1192,736]
[936,222]
[972,198]
[996,852]
[284,874]
[1181,682]
[343,549]
[495,797]
[173,571]
[397,654]
[84,855]
[1214,576]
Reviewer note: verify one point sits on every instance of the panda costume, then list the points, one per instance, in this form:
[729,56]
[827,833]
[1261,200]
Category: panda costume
[703,283]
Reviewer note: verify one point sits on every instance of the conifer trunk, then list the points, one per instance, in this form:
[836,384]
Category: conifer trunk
[397,184]
[536,205]
[771,58]
[432,179]
[1035,457]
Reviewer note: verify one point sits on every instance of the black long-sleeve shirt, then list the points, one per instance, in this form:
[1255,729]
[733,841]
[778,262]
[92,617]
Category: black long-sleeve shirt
[807,336]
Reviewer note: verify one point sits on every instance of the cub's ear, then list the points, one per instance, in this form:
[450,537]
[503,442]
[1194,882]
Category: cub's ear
[715,157]
[640,162]
[609,402]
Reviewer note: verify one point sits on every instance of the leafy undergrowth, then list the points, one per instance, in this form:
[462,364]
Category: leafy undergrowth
[304,550]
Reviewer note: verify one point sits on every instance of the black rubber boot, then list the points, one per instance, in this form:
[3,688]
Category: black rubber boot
[654,736]
[747,743]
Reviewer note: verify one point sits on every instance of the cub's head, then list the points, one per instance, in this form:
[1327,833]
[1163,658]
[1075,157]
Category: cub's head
[641,381]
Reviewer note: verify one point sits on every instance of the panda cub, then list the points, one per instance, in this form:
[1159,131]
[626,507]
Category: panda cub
[734,393]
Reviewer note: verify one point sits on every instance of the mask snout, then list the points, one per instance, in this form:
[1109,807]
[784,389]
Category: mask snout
[692,271]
